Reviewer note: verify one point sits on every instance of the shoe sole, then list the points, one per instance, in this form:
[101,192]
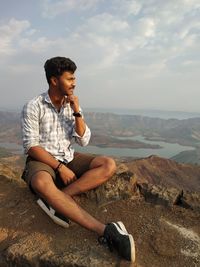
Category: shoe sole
[122,226]
[122,230]
[132,248]
[55,219]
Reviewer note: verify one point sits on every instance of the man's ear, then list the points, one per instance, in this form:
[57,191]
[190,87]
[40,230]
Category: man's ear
[54,80]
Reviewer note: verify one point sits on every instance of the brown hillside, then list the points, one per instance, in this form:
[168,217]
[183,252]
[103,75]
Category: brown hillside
[166,172]
[163,236]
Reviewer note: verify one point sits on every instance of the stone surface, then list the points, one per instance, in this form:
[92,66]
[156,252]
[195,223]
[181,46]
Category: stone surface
[191,200]
[165,234]
[121,186]
[160,195]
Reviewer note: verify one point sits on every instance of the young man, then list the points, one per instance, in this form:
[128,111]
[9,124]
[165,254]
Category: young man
[53,171]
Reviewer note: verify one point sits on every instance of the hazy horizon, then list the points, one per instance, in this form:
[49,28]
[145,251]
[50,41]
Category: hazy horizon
[163,114]
[131,54]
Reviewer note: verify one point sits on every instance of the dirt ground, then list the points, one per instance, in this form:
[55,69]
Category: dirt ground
[163,236]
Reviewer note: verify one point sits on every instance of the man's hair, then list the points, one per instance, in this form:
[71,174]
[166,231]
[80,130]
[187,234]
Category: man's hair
[57,65]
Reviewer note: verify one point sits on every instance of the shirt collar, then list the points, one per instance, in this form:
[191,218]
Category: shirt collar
[47,97]
[48,100]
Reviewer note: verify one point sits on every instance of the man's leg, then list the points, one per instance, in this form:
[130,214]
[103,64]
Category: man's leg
[100,170]
[114,234]
[43,185]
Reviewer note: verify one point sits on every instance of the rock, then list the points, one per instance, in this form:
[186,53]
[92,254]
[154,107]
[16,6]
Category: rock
[190,200]
[3,235]
[163,237]
[121,168]
[121,186]
[35,250]
[27,250]
[159,195]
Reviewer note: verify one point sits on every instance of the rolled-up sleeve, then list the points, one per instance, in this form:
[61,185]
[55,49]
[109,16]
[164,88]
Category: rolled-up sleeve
[83,140]
[30,126]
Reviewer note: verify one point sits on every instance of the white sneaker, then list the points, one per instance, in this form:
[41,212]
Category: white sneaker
[55,216]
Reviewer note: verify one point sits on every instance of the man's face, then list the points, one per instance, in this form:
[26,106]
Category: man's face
[66,83]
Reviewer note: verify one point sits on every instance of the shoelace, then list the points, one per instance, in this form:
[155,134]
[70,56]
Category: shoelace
[106,241]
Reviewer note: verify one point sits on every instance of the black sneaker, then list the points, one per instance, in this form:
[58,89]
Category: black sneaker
[116,236]
[55,216]
[122,227]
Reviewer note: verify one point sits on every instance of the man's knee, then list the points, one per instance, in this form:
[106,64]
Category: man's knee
[41,181]
[109,166]
[106,165]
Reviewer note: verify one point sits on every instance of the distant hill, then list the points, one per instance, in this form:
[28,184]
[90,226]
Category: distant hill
[185,132]
[10,127]
[192,156]
[106,126]
[166,172]
[153,113]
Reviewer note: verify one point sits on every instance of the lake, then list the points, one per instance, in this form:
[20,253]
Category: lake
[14,148]
[167,151]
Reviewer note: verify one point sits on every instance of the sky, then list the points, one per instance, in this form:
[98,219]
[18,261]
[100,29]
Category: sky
[130,54]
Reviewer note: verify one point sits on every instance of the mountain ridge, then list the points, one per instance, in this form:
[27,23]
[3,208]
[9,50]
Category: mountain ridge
[106,127]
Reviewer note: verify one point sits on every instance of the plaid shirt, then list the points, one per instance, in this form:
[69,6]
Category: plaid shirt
[42,125]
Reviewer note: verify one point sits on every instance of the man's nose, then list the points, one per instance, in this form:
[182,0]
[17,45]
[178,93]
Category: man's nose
[74,83]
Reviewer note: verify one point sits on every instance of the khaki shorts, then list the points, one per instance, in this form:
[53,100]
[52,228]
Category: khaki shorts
[79,165]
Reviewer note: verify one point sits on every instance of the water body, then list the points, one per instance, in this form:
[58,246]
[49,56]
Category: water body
[12,147]
[167,151]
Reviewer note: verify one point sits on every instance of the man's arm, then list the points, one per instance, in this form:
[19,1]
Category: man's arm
[30,134]
[40,154]
[80,126]
[82,132]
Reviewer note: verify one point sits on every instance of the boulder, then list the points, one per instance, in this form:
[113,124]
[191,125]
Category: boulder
[160,195]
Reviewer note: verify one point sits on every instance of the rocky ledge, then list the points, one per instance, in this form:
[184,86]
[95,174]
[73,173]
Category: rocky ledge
[164,221]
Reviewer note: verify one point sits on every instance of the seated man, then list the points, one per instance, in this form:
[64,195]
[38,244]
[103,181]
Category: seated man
[53,170]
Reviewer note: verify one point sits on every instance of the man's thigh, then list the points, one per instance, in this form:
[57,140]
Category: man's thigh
[81,163]
[32,167]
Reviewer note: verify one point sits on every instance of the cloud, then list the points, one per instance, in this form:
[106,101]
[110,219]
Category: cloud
[105,24]
[39,45]
[53,8]
[157,37]
[18,37]
[146,27]
[128,44]
[148,35]
[10,33]
[127,8]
